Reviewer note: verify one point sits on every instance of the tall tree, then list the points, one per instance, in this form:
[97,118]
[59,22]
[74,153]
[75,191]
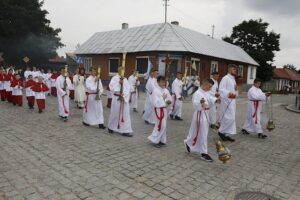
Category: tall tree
[25,31]
[260,44]
[290,66]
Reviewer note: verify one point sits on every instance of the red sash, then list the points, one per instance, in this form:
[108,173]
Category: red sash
[256,104]
[160,117]
[63,101]
[197,127]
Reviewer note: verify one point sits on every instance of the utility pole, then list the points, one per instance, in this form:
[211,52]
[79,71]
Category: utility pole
[213,31]
[166,9]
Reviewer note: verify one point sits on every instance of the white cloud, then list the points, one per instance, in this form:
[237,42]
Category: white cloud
[80,19]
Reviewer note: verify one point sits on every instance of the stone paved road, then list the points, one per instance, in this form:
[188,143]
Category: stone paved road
[44,158]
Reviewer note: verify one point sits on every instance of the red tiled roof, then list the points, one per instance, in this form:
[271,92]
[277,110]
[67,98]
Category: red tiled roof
[284,73]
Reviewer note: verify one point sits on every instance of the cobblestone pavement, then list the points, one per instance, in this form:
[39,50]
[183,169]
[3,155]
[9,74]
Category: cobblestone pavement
[43,158]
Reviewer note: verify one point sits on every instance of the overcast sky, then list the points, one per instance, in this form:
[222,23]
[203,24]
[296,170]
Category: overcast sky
[79,19]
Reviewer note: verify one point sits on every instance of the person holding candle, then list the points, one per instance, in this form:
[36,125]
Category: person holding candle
[93,111]
[119,119]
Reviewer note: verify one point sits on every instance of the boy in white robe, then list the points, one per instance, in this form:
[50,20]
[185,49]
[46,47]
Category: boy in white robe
[134,83]
[256,98]
[214,92]
[161,99]
[63,85]
[177,97]
[48,81]
[119,119]
[93,112]
[196,140]
[229,92]
[151,85]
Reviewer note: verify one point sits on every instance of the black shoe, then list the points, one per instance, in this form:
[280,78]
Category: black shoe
[102,126]
[187,147]
[222,136]
[230,139]
[127,135]
[162,144]
[178,118]
[157,145]
[171,116]
[135,110]
[40,111]
[147,122]
[110,131]
[65,119]
[245,132]
[262,136]
[206,157]
[85,124]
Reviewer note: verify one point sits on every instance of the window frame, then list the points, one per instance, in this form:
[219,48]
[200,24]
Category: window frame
[212,65]
[141,57]
[88,63]
[113,58]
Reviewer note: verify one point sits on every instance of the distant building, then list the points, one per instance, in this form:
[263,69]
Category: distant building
[282,80]
[57,62]
[150,45]
[71,61]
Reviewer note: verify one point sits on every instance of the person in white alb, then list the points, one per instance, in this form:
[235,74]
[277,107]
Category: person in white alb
[78,81]
[48,81]
[229,92]
[256,97]
[63,85]
[177,97]
[196,140]
[93,111]
[119,119]
[214,92]
[27,73]
[134,83]
[40,89]
[161,99]
[151,85]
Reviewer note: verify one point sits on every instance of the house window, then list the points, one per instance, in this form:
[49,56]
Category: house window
[251,72]
[240,71]
[114,64]
[214,67]
[197,64]
[87,63]
[142,64]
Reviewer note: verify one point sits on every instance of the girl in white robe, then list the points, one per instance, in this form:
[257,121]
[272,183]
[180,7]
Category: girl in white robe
[161,99]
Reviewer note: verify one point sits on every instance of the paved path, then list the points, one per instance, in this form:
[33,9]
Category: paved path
[44,158]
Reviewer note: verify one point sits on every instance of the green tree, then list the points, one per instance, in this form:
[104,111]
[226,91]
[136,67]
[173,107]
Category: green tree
[25,31]
[290,66]
[260,44]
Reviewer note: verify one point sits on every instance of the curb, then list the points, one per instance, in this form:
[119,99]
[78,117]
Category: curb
[291,108]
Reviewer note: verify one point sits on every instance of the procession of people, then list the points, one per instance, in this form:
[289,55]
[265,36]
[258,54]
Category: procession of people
[161,103]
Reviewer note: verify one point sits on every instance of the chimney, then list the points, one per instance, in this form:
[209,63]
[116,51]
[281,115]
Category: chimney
[125,26]
[175,23]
